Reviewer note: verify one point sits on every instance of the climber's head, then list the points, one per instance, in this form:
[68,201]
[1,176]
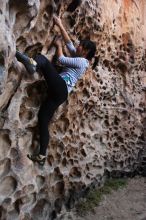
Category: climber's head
[87,49]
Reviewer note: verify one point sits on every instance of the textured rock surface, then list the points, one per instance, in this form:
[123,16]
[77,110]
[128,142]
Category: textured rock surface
[101,128]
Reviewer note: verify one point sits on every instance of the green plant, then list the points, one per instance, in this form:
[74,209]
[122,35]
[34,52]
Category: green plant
[94,197]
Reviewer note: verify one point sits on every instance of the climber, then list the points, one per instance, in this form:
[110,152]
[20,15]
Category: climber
[59,85]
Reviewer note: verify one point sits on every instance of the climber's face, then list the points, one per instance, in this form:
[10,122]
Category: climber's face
[81,52]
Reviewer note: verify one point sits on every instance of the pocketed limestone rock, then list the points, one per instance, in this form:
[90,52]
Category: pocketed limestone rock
[99,131]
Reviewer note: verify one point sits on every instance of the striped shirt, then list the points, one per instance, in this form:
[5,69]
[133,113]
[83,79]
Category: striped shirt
[74,67]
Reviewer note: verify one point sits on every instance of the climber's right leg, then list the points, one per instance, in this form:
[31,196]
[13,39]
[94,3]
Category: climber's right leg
[29,63]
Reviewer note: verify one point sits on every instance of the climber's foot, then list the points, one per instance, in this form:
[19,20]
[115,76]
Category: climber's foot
[40,159]
[28,62]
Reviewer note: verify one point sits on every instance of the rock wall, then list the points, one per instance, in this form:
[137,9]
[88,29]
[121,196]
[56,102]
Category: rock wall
[98,132]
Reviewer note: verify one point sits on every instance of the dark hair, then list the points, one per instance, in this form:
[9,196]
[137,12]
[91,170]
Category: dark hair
[90,46]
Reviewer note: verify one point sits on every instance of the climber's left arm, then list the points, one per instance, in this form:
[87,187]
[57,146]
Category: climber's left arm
[64,33]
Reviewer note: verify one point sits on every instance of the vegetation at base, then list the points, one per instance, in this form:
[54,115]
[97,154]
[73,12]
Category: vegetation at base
[94,196]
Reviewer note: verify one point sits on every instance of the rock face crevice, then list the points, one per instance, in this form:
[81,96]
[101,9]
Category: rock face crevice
[99,131]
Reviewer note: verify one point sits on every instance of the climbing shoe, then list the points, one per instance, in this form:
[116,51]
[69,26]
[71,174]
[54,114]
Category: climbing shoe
[28,62]
[40,159]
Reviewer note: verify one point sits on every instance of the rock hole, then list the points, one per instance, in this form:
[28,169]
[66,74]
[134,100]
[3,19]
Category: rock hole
[58,205]
[60,147]
[71,161]
[57,174]
[106,63]
[81,84]
[127,136]
[120,139]
[89,20]
[2,60]
[34,49]
[58,157]
[122,67]
[64,162]
[18,205]
[75,172]
[49,9]
[41,210]
[64,124]
[83,134]
[45,16]
[83,152]
[2,213]
[71,21]
[53,215]
[5,166]
[116,144]
[93,89]
[25,114]
[116,120]
[7,186]
[21,42]
[59,188]
[86,93]
[73,5]
[70,132]
[5,144]
[100,139]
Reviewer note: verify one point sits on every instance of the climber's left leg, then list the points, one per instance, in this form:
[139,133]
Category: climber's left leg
[45,115]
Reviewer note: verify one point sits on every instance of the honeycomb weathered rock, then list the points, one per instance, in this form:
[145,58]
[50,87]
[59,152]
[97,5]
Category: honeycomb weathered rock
[101,127]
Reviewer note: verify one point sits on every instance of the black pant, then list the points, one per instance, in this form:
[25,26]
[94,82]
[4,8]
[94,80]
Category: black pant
[57,94]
